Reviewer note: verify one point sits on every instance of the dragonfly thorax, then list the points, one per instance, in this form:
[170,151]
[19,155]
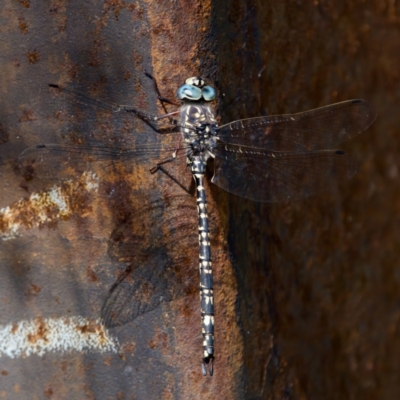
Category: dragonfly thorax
[199,130]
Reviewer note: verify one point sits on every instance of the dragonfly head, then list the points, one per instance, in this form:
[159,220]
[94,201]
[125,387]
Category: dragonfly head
[196,89]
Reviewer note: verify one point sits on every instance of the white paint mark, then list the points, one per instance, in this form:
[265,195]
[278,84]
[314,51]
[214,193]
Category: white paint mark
[44,207]
[61,335]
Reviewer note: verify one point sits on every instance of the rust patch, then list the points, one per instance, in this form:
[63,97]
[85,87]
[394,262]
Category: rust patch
[4,372]
[117,5]
[162,340]
[23,26]
[121,396]
[93,327]
[88,328]
[4,135]
[14,328]
[64,366]
[25,3]
[137,59]
[27,116]
[33,56]
[90,274]
[70,67]
[41,333]
[33,290]
[168,34]
[94,54]
[48,392]
[127,75]
[108,361]
[58,10]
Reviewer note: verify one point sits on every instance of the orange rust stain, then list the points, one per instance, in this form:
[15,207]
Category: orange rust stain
[70,67]
[64,366]
[90,274]
[33,56]
[33,290]
[162,340]
[94,54]
[137,59]
[58,10]
[27,116]
[14,329]
[4,372]
[25,3]
[127,348]
[121,396]
[41,332]
[48,392]
[117,6]
[4,135]
[127,75]
[88,328]
[175,46]
[107,361]
[23,26]
[93,328]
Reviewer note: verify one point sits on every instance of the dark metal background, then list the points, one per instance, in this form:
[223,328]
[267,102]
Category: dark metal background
[307,293]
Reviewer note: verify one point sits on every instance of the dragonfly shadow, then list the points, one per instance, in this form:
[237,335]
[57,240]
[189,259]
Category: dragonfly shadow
[155,269]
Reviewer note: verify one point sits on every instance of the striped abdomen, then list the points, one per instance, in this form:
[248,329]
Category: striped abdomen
[206,279]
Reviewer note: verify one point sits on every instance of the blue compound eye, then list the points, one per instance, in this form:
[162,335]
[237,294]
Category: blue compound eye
[208,93]
[189,92]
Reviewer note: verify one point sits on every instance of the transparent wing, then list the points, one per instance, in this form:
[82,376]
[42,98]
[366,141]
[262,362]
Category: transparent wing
[78,97]
[53,161]
[318,129]
[283,157]
[280,176]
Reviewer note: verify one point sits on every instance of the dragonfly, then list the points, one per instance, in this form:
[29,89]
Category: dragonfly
[275,158]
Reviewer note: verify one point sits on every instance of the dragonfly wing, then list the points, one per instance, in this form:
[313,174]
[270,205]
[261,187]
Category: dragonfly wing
[53,161]
[318,129]
[278,176]
[81,98]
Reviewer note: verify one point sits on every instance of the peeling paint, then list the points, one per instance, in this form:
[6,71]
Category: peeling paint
[61,335]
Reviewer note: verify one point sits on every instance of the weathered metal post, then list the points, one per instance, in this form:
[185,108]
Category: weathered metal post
[298,287]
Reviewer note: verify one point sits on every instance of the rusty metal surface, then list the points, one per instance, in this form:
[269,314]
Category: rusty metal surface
[65,244]
[316,313]
[318,279]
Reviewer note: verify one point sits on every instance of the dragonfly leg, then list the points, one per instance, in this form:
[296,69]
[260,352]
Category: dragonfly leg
[153,122]
[165,161]
[160,98]
[163,170]
[159,167]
